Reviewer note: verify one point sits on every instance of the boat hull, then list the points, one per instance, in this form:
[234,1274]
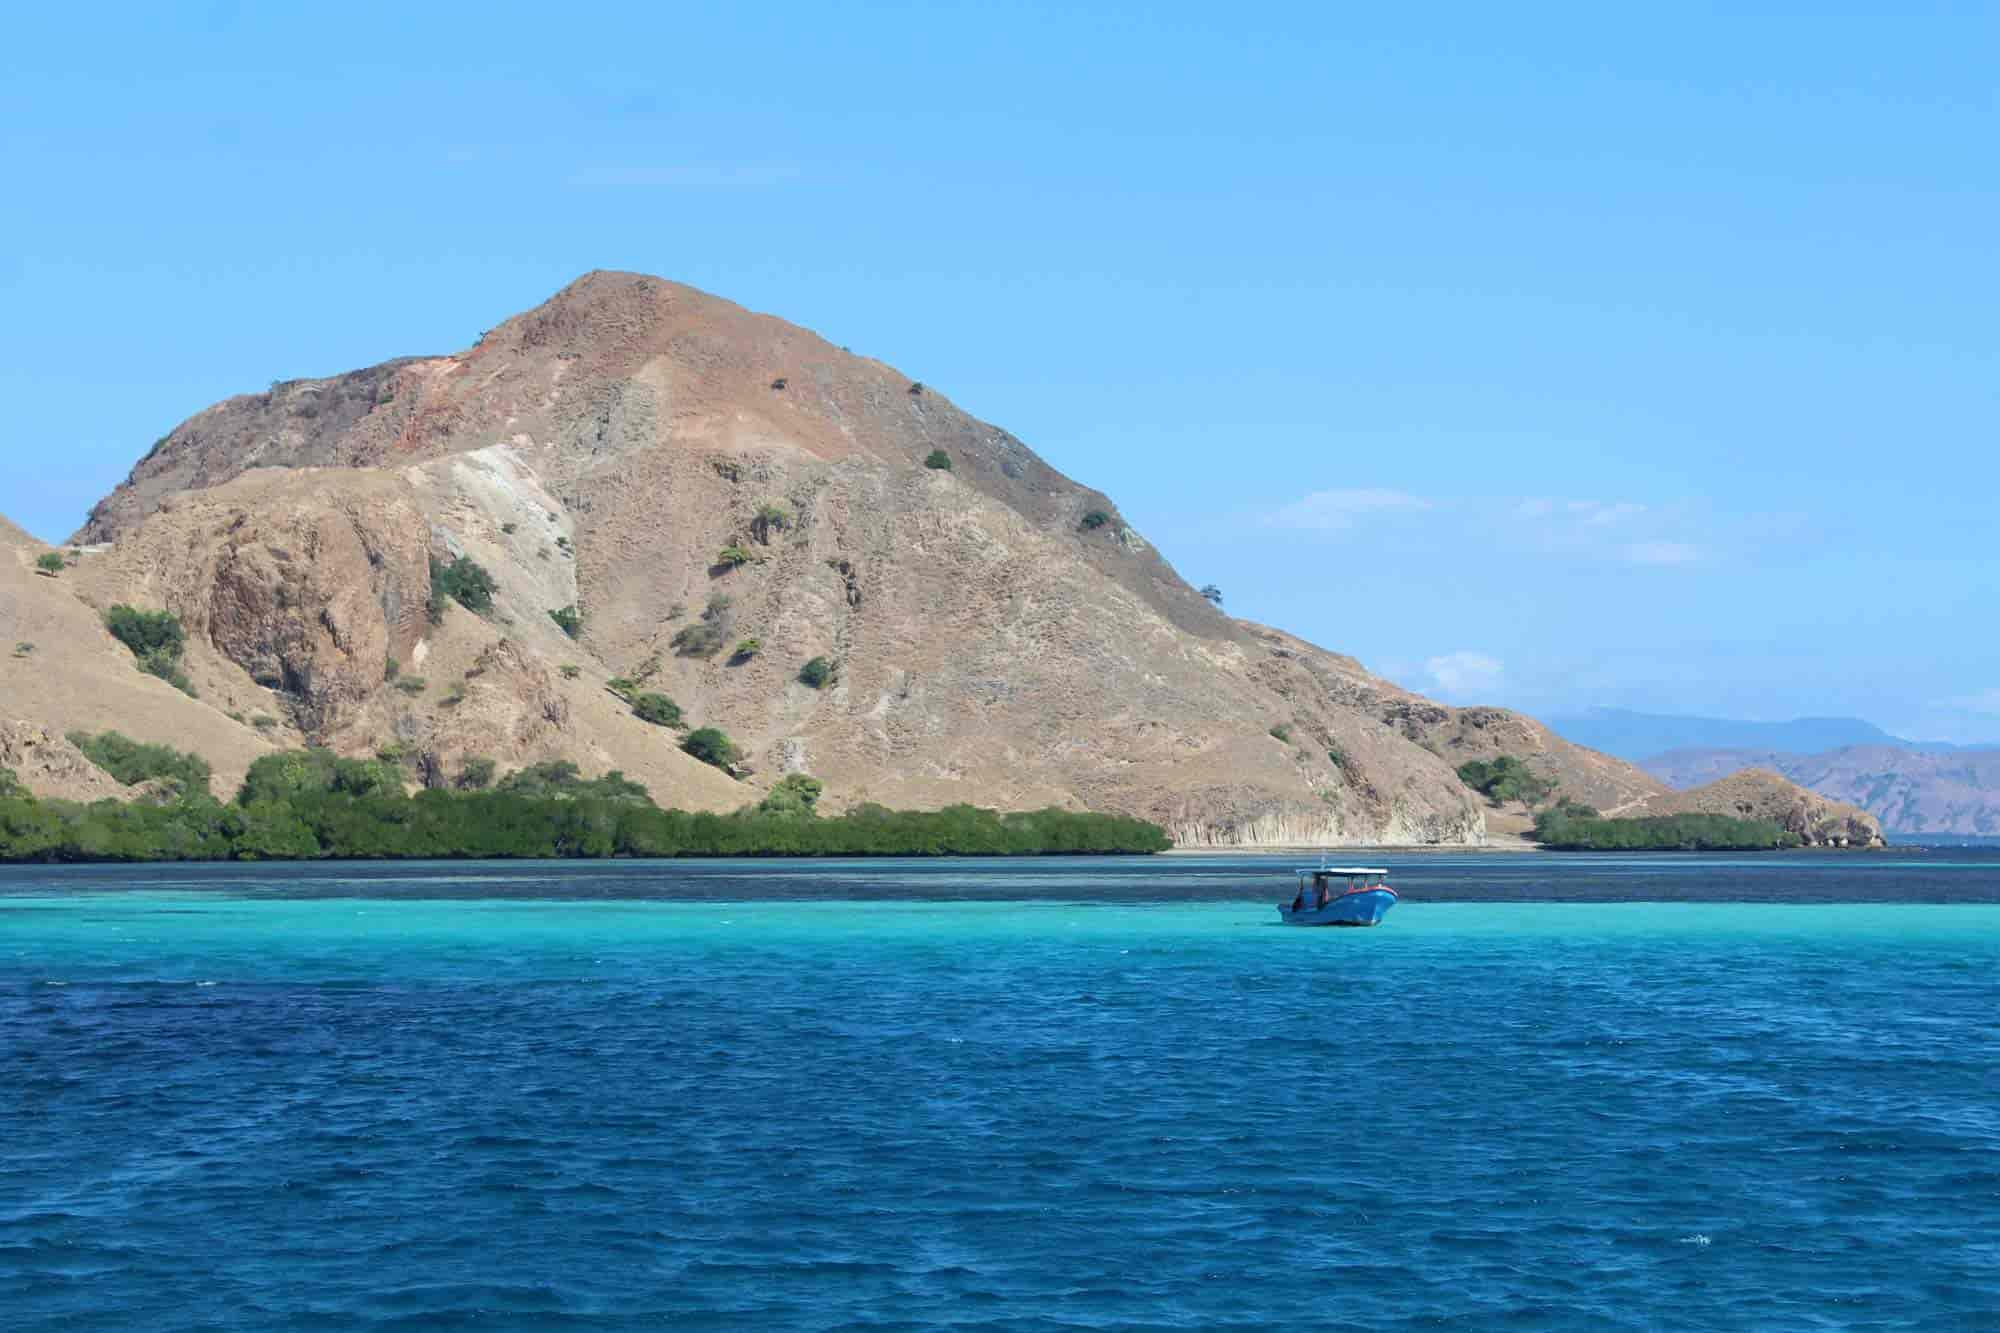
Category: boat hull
[1364,907]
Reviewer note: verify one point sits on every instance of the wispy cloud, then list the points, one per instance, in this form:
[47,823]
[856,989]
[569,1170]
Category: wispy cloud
[1662,553]
[701,178]
[1337,510]
[1465,672]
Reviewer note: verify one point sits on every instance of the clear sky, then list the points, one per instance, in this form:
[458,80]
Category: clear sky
[1547,355]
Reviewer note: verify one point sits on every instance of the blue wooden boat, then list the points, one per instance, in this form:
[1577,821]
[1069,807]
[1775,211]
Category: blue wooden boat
[1339,896]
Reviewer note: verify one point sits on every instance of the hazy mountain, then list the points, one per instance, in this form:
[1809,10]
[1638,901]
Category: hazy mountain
[1909,790]
[1637,736]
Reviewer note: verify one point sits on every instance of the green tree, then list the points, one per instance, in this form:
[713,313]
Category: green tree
[657,709]
[771,517]
[747,649]
[1213,593]
[1094,520]
[937,460]
[569,620]
[732,556]
[817,673]
[50,563]
[475,773]
[1504,779]
[464,581]
[711,746]
[132,762]
[795,797]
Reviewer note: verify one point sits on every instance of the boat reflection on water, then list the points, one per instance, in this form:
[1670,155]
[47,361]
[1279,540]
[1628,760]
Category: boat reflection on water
[1339,896]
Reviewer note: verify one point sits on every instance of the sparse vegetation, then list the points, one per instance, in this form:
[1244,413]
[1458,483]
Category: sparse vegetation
[917,389]
[711,746]
[510,528]
[731,556]
[700,639]
[157,641]
[1505,779]
[779,384]
[570,671]
[412,685]
[1283,732]
[454,694]
[49,563]
[657,709]
[1094,520]
[132,762]
[569,620]
[560,780]
[746,649]
[622,686]
[391,669]
[464,581]
[10,789]
[1213,593]
[817,673]
[938,460]
[772,517]
[24,649]
[263,722]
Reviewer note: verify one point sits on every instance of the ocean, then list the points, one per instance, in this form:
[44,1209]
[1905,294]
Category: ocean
[1583,1092]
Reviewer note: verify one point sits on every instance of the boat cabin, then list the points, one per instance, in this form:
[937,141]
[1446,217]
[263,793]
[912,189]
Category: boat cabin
[1319,885]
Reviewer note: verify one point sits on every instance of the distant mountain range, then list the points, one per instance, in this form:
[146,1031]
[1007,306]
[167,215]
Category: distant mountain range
[1637,736]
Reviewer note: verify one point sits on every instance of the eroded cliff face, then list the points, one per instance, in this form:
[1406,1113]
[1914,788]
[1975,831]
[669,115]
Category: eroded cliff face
[602,450]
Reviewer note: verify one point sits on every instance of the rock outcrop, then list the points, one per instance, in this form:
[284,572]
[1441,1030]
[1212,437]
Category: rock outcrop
[721,497]
[47,764]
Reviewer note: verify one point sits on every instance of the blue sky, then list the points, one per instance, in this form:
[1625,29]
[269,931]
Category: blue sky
[1548,355]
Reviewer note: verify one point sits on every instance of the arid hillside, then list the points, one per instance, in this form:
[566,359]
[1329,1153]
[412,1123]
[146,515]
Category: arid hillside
[1910,790]
[721,498]
[1756,793]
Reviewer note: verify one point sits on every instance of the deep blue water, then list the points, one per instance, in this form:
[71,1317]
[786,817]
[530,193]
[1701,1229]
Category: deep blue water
[1027,1095]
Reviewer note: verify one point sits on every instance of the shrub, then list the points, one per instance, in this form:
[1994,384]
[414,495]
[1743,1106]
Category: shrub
[559,779]
[569,620]
[510,528]
[700,639]
[1283,732]
[795,797]
[938,460]
[622,686]
[391,669]
[771,517]
[412,685]
[917,389]
[731,556]
[570,671]
[146,631]
[464,581]
[718,606]
[50,563]
[24,649]
[778,383]
[10,785]
[710,746]
[131,761]
[817,673]
[1213,593]
[1094,520]
[657,709]
[1690,833]
[475,773]
[454,694]
[263,722]
[747,649]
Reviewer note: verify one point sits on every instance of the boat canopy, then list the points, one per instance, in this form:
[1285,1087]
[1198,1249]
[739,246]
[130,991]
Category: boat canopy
[1342,870]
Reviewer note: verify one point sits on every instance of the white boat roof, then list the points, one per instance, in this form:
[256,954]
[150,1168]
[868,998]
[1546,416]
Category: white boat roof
[1342,870]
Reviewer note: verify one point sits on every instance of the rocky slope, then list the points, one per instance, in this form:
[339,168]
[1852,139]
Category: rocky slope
[1912,791]
[1755,793]
[1001,635]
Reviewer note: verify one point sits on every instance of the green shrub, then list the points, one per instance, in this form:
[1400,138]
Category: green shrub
[711,746]
[657,709]
[771,517]
[559,779]
[50,563]
[1690,833]
[794,797]
[1283,732]
[10,787]
[24,649]
[412,685]
[937,460]
[1213,593]
[817,673]
[570,671]
[146,631]
[391,669]
[132,762]
[1094,520]
[263,722]
[464,581]
[569,620]
[510,528]
[475,773]
[746,649]
[454,694]
[731,556]
[622,686]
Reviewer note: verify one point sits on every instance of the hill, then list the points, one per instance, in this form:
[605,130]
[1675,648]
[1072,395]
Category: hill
[1910,791]
[710,499]
[1759,794]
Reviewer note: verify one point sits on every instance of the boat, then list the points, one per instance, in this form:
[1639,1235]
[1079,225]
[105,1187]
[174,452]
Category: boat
[1339,896]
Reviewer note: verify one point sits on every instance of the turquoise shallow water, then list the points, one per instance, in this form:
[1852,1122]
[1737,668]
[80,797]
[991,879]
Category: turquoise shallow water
[235,1107]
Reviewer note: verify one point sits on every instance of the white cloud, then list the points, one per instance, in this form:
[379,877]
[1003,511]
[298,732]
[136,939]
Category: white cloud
[1662,553]
[1337,510]
[1464,672]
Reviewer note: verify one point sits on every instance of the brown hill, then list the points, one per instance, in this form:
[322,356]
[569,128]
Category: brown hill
[1756,793]
[1910,790]
[1001,635]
